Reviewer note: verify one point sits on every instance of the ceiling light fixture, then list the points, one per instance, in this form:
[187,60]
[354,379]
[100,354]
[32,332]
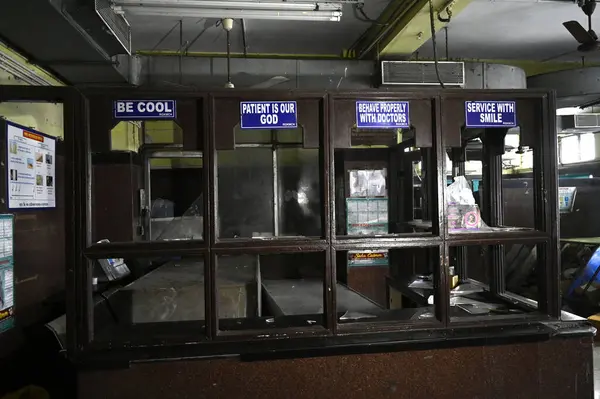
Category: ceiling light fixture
[236,5]
[278,10]
[333,16]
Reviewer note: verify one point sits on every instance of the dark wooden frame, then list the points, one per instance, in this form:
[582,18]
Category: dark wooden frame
[83,109]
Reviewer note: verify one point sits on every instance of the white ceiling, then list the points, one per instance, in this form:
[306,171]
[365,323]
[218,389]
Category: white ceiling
[513,29]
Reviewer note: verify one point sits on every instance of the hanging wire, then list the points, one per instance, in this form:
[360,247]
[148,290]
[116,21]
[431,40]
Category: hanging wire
[228,57]
[244,39]
[180,51]
[446,37]
[433,41]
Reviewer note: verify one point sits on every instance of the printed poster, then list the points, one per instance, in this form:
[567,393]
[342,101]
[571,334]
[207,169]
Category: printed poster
[7,278]
[566,198]
[31,168]
[367,216]
[368,258]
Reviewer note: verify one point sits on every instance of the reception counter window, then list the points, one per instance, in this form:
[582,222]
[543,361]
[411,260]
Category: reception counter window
[269,186]
[152,299]
[308,220]
[147,169]
[271,291]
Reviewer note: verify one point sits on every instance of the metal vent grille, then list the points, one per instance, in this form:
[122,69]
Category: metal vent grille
[116,23]
[422,73]
[587,121]
[578,123]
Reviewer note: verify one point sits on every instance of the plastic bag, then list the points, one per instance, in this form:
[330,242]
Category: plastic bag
[459,192]
[461,209]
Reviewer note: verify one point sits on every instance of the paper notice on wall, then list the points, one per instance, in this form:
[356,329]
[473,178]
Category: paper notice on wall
[367,216]
[566,198]
[31,168]
[7,276]
[368,258]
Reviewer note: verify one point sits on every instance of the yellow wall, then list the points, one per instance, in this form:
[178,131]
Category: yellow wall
[34,69]
[126,136]
[166,132]
[44,117]
[163,132]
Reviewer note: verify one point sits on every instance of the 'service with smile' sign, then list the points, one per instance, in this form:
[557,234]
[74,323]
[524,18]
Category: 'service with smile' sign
[490,114]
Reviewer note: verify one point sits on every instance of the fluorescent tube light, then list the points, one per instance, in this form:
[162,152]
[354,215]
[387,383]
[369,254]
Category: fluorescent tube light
[234,5]
[192,12]
[16,68]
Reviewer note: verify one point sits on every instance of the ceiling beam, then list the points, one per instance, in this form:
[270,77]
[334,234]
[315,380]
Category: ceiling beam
[403,27]
[414,28]
[369,42]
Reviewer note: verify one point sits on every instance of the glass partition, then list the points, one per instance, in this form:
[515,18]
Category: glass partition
[493,181]
[329,228]
[387,285]
[271,290]
[174,196]
[146,298]
[147,171]
[269,186]
[482,289]
[385,168]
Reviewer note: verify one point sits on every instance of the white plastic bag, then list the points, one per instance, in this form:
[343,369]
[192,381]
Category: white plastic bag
[459,192]
[462,211]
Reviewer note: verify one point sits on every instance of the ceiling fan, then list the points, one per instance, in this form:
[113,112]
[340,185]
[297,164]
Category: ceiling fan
[587,39]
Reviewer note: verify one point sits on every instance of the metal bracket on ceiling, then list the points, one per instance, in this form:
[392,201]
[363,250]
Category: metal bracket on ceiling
[587,6]
[448,8]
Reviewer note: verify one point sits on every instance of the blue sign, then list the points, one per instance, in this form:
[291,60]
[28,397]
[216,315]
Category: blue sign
[382,115]
[136,110]
[268,115]
[485,114]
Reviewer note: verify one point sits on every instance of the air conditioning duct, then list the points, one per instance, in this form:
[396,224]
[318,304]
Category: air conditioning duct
[467,75]
[101,23]
[579,123]
[574,87]
[422,73]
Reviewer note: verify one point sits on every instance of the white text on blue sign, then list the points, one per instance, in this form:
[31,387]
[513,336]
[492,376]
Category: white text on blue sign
[144,109]
[382,114]
[490,114]
[268,115]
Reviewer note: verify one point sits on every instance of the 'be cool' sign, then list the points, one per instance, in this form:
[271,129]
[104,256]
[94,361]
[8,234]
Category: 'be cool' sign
[268,115]
[144,109]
